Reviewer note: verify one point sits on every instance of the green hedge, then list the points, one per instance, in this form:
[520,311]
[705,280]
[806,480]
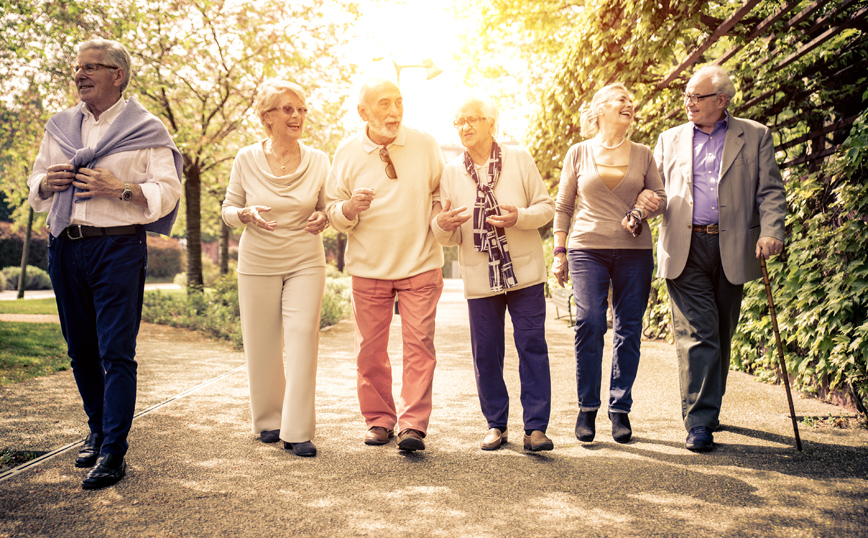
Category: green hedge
[12,245]
[37,279]
[165,256]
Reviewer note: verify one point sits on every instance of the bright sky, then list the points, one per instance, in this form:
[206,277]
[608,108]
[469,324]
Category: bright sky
[409,32]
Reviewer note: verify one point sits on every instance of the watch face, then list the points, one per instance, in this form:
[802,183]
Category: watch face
[128,194]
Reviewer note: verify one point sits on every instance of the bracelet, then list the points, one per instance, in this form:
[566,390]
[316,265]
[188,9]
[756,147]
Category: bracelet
[559,250]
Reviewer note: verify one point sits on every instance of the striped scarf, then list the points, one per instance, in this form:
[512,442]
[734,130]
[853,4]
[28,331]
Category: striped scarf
[488,238]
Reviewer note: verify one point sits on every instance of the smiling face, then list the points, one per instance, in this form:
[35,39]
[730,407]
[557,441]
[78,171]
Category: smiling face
[283,125]
[709,110]
[383,111]
[475,137]
[102,89]
[617,111]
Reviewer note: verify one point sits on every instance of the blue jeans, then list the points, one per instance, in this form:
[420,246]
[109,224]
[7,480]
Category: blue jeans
[629,271]
[99,285]
[527,310]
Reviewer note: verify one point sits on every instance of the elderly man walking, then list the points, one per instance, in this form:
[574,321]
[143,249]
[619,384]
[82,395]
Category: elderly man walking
[106,172]
[726,209]
[383,193]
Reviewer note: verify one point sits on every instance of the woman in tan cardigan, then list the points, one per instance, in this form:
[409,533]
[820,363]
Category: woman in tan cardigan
[281,266]
[501,259]
[610,241]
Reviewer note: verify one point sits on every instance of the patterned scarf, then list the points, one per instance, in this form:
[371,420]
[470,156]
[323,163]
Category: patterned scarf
[488,238]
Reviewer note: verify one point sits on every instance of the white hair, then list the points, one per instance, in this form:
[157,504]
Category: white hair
[720,80]
[486,107]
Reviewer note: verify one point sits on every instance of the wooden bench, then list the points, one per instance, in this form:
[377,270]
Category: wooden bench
[562,298]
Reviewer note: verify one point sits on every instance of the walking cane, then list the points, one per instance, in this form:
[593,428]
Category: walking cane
[780,351]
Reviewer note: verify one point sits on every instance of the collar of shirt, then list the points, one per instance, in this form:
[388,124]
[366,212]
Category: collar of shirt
[722,124]
[369,145]
[108,116]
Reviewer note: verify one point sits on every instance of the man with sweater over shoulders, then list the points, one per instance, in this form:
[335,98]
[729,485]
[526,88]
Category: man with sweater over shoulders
[106,173]
[726,209]
[382,193]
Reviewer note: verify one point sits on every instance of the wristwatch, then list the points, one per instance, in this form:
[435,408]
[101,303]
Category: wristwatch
[127,194]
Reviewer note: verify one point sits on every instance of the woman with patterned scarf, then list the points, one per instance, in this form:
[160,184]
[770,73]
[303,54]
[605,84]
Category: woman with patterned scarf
[502,265]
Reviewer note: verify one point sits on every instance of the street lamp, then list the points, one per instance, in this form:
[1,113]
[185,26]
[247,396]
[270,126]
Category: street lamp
[431,69]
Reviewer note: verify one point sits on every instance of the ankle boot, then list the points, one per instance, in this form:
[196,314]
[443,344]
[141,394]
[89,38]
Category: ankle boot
[621,431]
[585,426]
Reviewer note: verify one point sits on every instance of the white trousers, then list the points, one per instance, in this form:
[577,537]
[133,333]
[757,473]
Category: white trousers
[280,326]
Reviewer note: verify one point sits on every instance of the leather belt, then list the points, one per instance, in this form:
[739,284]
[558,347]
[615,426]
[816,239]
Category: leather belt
[712,229]
[77,231]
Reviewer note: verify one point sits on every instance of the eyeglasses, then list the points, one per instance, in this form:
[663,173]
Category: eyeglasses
[695,98]
[469,120]
[289,110]
[390,167]
[90,69]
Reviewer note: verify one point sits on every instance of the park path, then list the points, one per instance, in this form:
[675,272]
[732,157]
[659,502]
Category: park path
[197,470]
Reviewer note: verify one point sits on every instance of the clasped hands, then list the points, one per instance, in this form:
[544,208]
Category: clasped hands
[92,182]
[450,219]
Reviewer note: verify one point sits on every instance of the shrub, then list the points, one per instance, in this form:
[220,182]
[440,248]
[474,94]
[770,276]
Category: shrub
[164,256]
[37,279]
[12,245]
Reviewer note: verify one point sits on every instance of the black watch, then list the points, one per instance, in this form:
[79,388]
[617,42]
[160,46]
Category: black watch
[127,195]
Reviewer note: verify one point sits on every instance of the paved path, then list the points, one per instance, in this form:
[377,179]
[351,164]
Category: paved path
[197,470]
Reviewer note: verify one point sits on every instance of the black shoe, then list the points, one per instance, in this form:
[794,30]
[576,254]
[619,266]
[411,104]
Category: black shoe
[270,436]
[89,450]
[700,439]
[110,468]
[305,449]
[586,428]
[621,431]
[410,440]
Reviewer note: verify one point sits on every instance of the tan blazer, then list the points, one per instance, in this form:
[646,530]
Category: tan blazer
[752,200]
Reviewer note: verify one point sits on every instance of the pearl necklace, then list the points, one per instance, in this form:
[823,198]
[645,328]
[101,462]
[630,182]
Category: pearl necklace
[616,146]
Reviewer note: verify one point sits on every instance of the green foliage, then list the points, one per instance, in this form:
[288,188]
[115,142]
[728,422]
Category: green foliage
[30,350]
[12,246]
[164,256]
[46,306]
[37,279]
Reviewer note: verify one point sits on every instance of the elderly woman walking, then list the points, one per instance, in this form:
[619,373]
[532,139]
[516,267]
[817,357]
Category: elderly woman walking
[610,241]
[277,189]
[502,264]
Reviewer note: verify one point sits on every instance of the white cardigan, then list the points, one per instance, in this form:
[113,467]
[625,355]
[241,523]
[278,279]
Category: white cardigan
[519,185]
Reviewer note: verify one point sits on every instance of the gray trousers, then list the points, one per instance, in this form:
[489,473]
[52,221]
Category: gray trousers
[705,311]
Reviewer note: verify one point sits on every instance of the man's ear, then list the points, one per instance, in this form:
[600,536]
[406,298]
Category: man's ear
[363,112]
[119,77]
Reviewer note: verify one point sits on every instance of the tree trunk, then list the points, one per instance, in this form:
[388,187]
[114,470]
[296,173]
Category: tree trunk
[193,202]
[25,255]
[339,257]
[224,248]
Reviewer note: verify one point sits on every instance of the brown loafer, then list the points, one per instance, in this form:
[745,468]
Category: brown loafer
[410,440]
[378,435]
[537,441]
[494,438]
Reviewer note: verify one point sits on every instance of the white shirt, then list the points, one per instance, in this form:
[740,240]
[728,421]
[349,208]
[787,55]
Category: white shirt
[153,169]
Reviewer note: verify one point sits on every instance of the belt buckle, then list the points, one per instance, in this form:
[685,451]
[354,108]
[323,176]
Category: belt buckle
[713,229]
[71,227]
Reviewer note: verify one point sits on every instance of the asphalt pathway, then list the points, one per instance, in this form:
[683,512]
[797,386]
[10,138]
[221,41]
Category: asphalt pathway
[196,469]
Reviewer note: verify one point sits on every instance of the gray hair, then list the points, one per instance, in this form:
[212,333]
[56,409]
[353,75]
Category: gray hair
[720,80]
[114,54]
[485,105]
[368,86]
[269,93]
[590,115]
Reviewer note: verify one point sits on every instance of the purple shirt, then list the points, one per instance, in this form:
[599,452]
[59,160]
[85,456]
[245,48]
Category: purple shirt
[707,156]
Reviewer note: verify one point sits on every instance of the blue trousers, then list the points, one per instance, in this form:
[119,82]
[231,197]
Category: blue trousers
[99,286]
[629,271]
[527,309]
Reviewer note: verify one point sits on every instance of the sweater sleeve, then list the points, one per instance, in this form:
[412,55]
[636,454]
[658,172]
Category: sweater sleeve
[236,198]
[654,183]
[567,192]
[540,206]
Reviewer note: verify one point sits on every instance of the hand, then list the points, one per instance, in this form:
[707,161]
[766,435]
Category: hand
[648,200]
[507,218]
[560,269]
[58,179]
[768,247]
[252,214]
[449,219]
[97,182]
[358,202]
[316,223]
[631,223]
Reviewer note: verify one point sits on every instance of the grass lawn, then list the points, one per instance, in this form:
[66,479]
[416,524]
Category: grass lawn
[30,350]
[29,306]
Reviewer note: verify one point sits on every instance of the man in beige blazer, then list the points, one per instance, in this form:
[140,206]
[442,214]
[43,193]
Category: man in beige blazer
[726,208]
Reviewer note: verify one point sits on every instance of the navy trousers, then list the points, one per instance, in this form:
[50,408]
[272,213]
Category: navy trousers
[99,285]
[527,309]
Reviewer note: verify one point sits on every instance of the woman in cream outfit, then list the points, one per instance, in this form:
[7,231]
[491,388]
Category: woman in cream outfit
[277,189]
[502,264]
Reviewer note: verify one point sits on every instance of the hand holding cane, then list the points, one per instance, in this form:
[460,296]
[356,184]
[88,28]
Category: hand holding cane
[780,350]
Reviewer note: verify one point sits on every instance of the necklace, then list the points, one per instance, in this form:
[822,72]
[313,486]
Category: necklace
[616,146]
[282,164]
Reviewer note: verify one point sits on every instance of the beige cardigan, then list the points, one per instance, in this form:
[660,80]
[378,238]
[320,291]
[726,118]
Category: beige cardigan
[519,185]
[595,210]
